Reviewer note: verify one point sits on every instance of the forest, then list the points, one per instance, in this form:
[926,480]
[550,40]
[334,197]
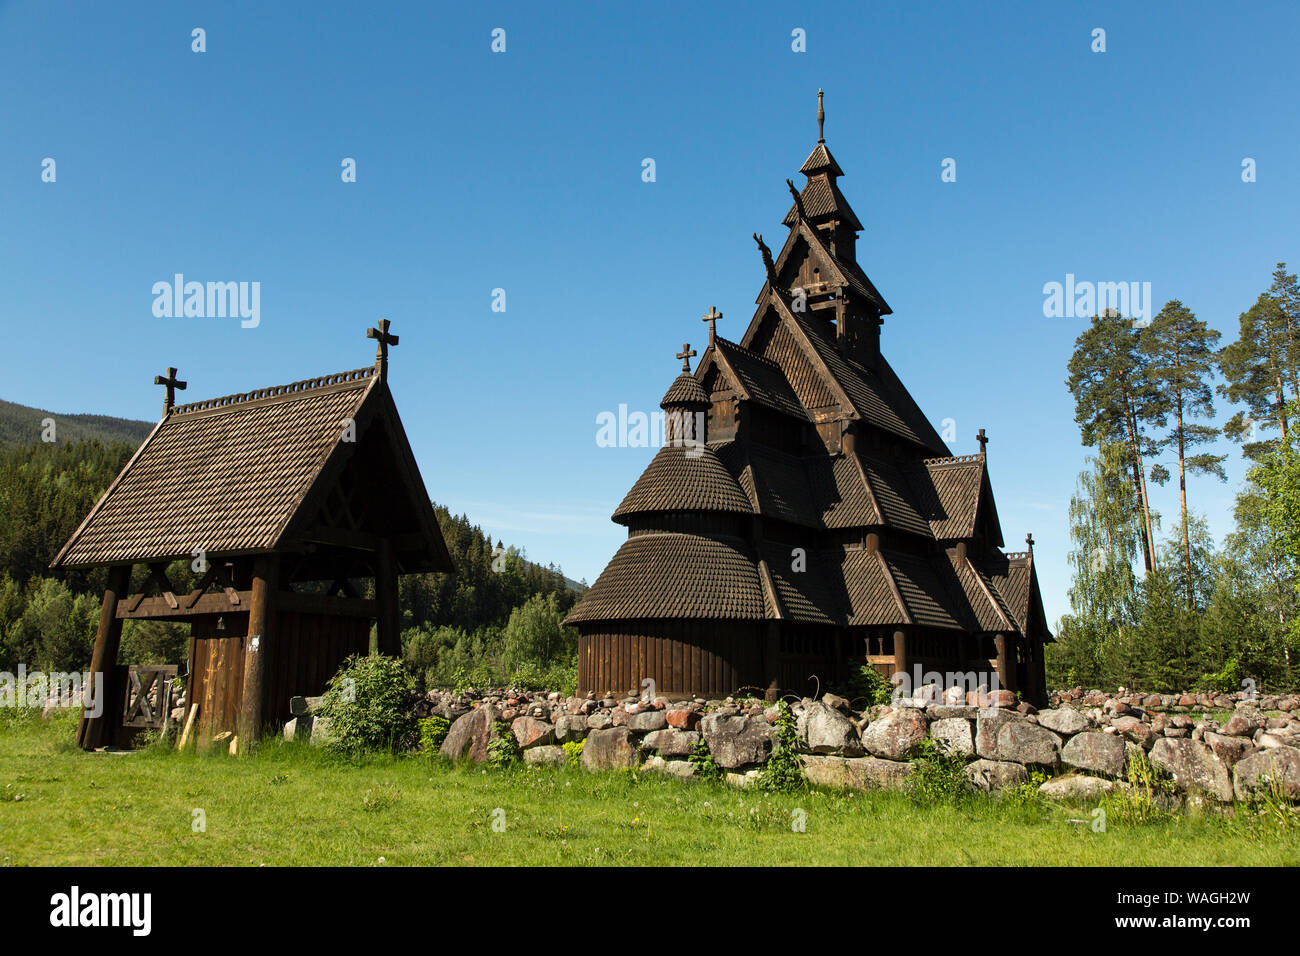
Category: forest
[1156,603]
[496,620]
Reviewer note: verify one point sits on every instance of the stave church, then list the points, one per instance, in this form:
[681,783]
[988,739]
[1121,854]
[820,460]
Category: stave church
[803,517]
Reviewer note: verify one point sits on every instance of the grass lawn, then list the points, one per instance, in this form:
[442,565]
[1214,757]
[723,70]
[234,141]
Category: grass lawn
[291,805]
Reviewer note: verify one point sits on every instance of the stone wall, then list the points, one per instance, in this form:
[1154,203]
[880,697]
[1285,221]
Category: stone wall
[1084,742]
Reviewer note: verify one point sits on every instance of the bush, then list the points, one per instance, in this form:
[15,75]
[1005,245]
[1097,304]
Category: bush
[867,684]
[502,749]
[433,731]
[938,775]
[369,703]
[783,773]
[701,758]
[573,751]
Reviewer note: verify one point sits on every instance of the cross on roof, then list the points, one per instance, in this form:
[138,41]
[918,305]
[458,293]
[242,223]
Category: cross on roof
[712,319]
[172,383]
[686,354]
[983,439]
[385,340]
[1029,540]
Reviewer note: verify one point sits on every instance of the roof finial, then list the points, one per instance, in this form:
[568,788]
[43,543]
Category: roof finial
[686,354]
[821,119]
[712,319]
[1029,540]
[381,352]
[172,383]
[983,439]
[798,200]
[766,253]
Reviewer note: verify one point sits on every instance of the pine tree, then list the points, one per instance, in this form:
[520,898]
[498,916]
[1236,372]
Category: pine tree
[1179,349]
[1257,368]
[1115,401]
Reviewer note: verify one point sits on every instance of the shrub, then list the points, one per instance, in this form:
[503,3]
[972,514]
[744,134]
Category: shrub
[783,773]
[433,731]
[938,775]
[701,758]
[573,751]
[502,749]
[369,703]
[867,684]
[1148,797]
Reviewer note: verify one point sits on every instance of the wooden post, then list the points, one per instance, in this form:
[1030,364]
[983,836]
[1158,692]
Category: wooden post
[1006,661]
[388,623]
[93,731]
[258,649]
[772,661]
[900,657]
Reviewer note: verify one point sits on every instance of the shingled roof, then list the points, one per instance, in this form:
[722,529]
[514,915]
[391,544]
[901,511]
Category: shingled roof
[669,575]
[236,475]
[682,478]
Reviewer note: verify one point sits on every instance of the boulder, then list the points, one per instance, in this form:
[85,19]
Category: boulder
[737,741]
[1254,773]
[469,735]
[748,778]
[1228,749]
[546,755]
[570,727]
[953,735]
[824,730]
[530,732]
[1066,721]
[682,769]
[1096,752]
[682,719]
[671,742]
[1193,766]
[987,725]
[298,728]
[1245,720]
[1132,728]
[894,735]
[647,721]
[1026,743]
[609,749]
[856,773]
[992,775]
[1076,787]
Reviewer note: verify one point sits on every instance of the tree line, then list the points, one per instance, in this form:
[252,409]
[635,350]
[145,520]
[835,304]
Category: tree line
[1201,614]
[498,614]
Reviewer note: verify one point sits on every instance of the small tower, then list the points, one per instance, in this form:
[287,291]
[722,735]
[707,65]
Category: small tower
[686,405]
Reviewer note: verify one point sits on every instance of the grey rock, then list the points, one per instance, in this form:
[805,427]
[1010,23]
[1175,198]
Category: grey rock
[824,730]
[737,741]
[1096,752]
[609,749]
[988,723]
[570,727]
[1066,721]
[1026,743]
[1255,773]
[856,773]
[671,742]
[1076,787]
[953,735]
[547,755]
[469,735]
[894,735]
[992,775]
[647,721]
[1193,766]
[682,769]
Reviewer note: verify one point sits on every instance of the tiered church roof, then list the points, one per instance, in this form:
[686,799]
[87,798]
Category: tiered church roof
[822,494]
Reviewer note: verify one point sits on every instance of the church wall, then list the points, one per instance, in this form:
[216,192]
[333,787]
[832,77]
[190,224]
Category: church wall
[683,657]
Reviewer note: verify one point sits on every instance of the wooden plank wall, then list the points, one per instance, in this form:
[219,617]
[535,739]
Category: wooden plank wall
[308,649]
[711,659]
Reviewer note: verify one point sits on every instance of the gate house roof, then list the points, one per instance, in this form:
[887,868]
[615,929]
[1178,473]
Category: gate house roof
[229,475]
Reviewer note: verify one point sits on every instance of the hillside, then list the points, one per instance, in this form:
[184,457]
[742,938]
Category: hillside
[22,425]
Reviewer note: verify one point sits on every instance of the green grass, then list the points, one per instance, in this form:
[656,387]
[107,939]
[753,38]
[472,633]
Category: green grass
[291,805]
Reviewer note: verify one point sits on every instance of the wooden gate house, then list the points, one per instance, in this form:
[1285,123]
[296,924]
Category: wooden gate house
[281,499]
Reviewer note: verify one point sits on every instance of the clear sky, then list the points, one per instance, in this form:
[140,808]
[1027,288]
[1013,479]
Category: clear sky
[522,171]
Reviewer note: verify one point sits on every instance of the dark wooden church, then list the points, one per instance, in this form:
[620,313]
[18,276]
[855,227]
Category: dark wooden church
[284,500]
[821,521]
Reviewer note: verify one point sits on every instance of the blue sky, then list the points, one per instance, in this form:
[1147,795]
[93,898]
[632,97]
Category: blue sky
[522,171]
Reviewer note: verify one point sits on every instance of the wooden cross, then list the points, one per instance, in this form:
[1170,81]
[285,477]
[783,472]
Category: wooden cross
[1029,540]
[172,383]
[385,340]
[686,354]
[983,439]
[712,319]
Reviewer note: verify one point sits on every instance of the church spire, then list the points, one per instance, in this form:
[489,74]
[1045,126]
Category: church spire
[821,119]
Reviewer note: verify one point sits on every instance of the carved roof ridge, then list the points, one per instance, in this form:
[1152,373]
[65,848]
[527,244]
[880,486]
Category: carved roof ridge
[277,391]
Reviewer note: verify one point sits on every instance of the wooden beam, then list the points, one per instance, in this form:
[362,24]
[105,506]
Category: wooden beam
[258,649]
[389,619]
[326,604]
[93,731]
[142,607]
